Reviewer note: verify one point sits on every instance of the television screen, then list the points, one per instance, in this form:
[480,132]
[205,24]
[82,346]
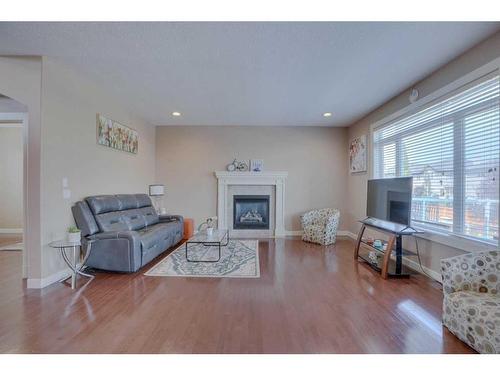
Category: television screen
[389,199]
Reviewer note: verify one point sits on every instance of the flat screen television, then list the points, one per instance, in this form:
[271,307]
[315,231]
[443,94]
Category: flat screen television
[389,199]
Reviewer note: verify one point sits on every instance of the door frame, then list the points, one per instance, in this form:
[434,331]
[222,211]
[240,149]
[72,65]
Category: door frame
[20,119]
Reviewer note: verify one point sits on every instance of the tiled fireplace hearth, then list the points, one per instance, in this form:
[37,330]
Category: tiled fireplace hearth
[251,204]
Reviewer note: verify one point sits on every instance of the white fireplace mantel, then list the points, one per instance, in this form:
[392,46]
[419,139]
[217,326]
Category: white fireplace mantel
[277,179]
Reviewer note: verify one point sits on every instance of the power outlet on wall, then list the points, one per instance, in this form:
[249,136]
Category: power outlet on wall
[66,194]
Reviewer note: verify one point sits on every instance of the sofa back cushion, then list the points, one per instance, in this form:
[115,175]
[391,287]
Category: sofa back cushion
[150,215]
[111,221]
[84,218]
[119,212]
[143,200]
[101,204]
[127,201]
[134,219]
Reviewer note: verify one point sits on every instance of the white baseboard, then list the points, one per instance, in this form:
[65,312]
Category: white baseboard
[11,230]
[416,267]
[46,281]
[346,233]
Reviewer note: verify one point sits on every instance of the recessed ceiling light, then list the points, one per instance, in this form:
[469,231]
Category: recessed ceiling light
[327,114]
[176,114]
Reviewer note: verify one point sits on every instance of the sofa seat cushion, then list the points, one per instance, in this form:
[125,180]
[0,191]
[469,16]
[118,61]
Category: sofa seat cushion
[151,236]
[475,318]
[156,239]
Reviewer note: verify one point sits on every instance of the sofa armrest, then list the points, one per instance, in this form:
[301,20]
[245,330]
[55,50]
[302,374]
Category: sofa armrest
[476,272]
[130,235]
[332,221]
[170,218]
[115,251]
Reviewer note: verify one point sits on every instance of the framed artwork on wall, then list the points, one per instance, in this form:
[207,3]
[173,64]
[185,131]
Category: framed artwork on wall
[115,135]
[357,154]
[256,165]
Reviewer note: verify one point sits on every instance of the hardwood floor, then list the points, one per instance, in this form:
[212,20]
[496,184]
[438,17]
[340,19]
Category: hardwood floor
[309,299]
[10,239]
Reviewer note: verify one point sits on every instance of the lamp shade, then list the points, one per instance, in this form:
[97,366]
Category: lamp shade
[156,190]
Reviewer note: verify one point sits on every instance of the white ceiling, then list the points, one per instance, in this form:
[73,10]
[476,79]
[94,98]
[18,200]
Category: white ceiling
[283,74]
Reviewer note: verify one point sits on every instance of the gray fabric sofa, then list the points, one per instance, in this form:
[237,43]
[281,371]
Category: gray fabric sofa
[126,230]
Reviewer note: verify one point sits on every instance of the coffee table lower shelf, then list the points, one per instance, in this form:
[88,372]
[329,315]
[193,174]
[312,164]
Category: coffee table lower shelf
[215,240]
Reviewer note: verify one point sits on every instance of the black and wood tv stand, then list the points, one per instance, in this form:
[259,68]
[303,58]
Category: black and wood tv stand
[395,232]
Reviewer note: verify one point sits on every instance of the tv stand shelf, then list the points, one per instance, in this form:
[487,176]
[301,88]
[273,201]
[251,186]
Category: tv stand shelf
[386,266]
[403,251]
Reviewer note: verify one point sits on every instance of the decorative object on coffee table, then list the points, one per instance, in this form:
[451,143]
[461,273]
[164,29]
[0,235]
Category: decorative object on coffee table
[208,223]
[239,259]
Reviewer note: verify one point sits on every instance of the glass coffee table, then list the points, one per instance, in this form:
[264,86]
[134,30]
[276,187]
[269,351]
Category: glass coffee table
[219,238]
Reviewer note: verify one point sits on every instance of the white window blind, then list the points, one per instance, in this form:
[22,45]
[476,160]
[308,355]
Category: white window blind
[452,149]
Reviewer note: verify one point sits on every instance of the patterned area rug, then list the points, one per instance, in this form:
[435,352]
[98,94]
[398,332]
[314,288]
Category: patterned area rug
[238,259]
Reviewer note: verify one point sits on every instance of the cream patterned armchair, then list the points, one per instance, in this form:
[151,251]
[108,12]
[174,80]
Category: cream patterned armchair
[320,226]
[471,304]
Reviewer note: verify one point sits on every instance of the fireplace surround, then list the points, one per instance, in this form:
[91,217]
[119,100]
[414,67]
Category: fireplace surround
[251,183]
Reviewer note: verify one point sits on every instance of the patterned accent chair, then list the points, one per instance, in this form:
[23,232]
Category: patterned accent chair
[320,226]
[471,304]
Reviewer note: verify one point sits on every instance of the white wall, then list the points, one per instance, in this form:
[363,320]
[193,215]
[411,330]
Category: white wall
[315,158]
[61,142]
[20,79]
[8,105]
[475,58]
[70,102]
[11,176]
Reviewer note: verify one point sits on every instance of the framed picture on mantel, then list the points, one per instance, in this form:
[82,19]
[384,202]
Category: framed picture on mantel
[357,154]
[256,165]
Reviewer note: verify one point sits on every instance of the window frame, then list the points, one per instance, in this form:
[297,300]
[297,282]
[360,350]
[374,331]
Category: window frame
[448,238]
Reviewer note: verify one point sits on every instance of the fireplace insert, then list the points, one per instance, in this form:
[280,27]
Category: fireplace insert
[251,212]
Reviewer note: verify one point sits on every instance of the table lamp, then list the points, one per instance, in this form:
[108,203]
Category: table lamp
[157,191]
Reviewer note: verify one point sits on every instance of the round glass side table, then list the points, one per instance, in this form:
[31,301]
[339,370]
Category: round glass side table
[72,263]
